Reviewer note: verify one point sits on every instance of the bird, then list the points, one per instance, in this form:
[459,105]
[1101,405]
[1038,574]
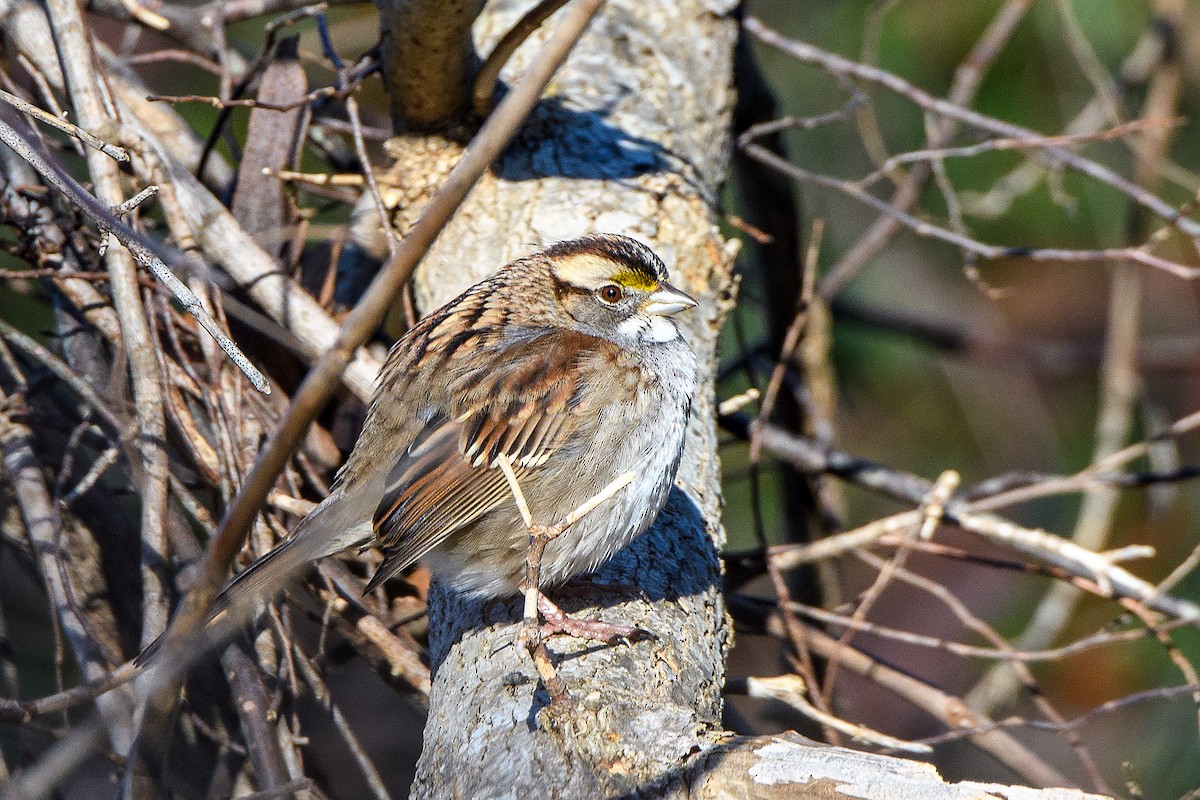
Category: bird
[568,366]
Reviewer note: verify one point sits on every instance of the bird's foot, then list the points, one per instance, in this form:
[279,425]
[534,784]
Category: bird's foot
[558,622]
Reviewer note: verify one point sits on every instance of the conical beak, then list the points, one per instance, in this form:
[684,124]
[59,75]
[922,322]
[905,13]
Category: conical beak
[667,300]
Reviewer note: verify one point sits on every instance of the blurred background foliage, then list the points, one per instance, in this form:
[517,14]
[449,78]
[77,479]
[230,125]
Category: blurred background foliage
[913,394]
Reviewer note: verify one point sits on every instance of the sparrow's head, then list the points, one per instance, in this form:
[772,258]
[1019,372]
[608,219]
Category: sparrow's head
[615,287]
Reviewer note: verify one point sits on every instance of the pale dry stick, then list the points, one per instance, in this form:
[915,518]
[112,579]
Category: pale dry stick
[136,200]
[1119,384]
[48,236]
[757,234]
[121,210]
[360,148]
[934,506]
[1164,230]
[1081,480]
[404,661]
[72,42]
[296,506]
[1119,555]
[20,712]
[43,527]
[791,689]
[792,556]
[954,211]
[51,272]
[224,241]
[149,18]
[110,150]
[1100,639]
[1176,656]
[324,698]
[1181,571]
[324,93]
[1056,550]
[175,54]
[98,468]
[796,636]
[855,101]
[1110,579]
[43,83]
[1165,693]
[9,362]
[734,404]
[255,717]
[316,178]
[137,245]
[791,340]
[48,359]
[182,234]
[945,707]
[57,764]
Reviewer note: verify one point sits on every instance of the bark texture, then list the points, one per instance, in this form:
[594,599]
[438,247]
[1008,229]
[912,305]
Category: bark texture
[425,47]
[790,767]
[632,138]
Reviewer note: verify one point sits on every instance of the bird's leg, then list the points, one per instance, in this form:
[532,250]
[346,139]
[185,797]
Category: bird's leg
[531,632]
[558,621]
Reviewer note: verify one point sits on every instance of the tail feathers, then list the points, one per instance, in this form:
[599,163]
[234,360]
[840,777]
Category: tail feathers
[331,527]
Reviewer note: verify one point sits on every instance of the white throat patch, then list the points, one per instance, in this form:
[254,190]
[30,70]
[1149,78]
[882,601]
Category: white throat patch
[652,328]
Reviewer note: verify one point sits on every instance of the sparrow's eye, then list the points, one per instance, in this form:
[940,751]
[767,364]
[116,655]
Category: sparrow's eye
[611,293]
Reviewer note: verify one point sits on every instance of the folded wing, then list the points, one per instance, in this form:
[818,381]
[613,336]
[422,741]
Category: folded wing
[526,409]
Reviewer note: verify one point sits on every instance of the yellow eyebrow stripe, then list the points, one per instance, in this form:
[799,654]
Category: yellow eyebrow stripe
[635,280]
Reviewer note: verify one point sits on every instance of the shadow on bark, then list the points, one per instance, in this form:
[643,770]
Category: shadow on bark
[557,141]
[638,572]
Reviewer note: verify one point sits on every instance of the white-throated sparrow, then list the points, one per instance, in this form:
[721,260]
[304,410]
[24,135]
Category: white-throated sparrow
[565,362]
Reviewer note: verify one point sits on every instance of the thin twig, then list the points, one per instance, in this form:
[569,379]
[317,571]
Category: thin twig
[790,689]
[138,245]
[835,64]
[489,72]
[110,150]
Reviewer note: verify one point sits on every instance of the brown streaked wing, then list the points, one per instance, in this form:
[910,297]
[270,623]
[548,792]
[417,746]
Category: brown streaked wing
[525,407]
